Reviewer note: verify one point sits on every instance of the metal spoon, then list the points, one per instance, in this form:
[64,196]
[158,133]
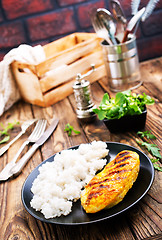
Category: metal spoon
[118,12]
[108,22]
[121,21]
[99,27]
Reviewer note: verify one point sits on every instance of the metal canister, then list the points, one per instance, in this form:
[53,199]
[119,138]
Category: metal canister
[122,65]
[83,98]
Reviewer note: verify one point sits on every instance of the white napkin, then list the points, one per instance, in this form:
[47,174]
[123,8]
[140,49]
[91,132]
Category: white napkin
[9,92]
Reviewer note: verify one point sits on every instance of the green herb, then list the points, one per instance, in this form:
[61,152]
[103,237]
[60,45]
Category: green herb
[69,129]
[124,103]
[154,160]
[5,131]
[146,134]
[152,148]
[5,139]
[155,164]
[157,167]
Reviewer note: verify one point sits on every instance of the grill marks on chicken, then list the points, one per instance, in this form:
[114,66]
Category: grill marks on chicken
[110,186]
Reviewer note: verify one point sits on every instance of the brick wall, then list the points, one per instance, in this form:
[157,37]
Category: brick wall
[41,21]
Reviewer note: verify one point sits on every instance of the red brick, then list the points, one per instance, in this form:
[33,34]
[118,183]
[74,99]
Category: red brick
[2,56]
[18,8]
[1,17]
[152,25]
[150,47]
[138,33]
[42,43]
[68,2]
[11,34]
[83,12]
[126,5]
[52,24]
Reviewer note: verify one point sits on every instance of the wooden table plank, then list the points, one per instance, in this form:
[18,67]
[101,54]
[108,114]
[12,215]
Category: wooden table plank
[143,221]
[151,76]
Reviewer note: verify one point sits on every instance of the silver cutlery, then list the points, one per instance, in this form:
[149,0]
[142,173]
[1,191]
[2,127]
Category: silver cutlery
[135,5]
[132,24]
[149,9]
[16,169]
[34,136]
[118,11]
[24,127]
[108,23]
[120,18]
[99,28]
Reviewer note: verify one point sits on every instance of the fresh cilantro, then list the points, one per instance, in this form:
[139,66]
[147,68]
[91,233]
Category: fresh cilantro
[124,103]
[5,131]
[69,129]
[146,134]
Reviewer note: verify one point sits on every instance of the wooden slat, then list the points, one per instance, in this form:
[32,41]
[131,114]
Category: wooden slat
[28,83]
[66,89]
[67,72]
[68,56]
[66,42]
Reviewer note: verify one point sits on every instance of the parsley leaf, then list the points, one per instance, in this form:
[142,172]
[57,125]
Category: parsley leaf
[146,134]
[69,129]
[5,139]
[157,167]
[5,131]
[152,148]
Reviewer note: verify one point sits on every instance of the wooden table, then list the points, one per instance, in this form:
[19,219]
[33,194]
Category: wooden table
[143,221]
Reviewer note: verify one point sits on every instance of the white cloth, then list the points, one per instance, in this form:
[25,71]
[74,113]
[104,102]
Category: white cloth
[9,92]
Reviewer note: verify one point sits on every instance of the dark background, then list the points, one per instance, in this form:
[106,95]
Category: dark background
[42,21]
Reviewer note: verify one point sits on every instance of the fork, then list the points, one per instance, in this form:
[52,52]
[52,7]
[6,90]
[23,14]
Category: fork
[34,136]
[98,27]
[24,127]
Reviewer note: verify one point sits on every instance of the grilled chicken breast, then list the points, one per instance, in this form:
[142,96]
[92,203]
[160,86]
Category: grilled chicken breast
[109,187]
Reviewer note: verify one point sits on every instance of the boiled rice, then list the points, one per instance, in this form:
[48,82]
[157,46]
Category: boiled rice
[59,182]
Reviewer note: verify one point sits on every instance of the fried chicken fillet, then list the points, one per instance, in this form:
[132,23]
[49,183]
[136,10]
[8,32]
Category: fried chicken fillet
[110,186]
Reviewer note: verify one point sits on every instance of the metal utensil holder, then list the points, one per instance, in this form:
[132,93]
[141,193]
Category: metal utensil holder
[83,97]
[122,65]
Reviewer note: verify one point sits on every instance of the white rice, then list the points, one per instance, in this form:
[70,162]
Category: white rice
[60,181]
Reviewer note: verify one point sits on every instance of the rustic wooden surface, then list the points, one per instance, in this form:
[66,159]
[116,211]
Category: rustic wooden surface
[143,221]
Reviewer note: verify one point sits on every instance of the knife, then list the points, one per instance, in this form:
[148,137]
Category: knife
[133,23]
[16,169]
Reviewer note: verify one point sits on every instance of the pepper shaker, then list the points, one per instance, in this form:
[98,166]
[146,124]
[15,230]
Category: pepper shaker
[83,98]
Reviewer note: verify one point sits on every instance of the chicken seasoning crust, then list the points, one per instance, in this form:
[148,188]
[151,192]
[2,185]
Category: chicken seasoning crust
[110,186]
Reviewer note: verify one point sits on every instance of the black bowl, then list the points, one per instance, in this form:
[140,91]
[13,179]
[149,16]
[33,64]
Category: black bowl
[127,123]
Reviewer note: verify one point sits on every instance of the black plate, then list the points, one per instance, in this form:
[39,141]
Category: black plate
[78,215]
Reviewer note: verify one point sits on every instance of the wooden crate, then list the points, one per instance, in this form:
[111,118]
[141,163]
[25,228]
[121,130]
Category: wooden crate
[52,80]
